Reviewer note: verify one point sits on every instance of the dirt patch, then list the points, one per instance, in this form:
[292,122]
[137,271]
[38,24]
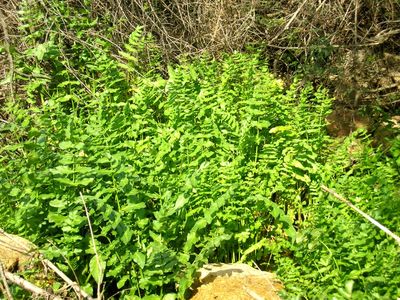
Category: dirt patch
[235,282]
[343,121]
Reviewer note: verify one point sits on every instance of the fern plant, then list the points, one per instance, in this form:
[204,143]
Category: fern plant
[338,253]
[206,161]
[212,152]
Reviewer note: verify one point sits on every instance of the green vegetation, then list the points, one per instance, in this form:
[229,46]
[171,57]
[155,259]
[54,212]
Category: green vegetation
[338,254]
[207,160]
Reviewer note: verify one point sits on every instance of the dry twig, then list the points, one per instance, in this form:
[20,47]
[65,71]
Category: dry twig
[28,286]
[99,266]
[359,211]
[6,289]
[74,285]
[290,21]
[7,48]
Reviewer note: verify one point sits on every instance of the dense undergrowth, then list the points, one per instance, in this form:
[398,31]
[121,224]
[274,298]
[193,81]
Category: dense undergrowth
[338,255]
[208,161]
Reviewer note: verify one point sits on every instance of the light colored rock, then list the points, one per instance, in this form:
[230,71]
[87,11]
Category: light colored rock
[15,251]
[235,282]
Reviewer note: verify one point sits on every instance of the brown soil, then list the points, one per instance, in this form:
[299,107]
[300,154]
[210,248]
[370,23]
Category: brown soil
[343,121]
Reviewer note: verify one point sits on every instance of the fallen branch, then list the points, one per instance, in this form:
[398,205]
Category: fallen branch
[369,218]
[28,250]
[26,285]
[6,291]
[384,88]
[74,285]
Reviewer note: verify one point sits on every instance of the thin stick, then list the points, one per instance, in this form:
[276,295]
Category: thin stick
[94,249]
[66,260]
[7,292]
[356,22]
[369,218]
[26,285]
[294,15]
[7,47]
[71,283]
[290,21]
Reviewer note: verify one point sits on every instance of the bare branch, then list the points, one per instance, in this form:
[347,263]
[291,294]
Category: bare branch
[100,267]
[74,285]
[290,21]
[7,292]
[28,286]
[359,211]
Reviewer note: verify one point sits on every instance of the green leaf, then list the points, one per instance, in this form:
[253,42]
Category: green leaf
[122,281]
[66,181]
[127,236]
[40,50]
[57,218]
[128,56]
[66,145]
[67,98]
[97,267]
[290,231]
[58,203]
[262,124]
[180,202]
[62,170]
[280,129]
[131,207]
[298,164]
[84,181]
[14,192]
[140,259]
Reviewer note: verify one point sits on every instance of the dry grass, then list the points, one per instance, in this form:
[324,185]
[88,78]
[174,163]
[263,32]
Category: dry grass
[187,26]
[8,32]
[333,39]
[341,44]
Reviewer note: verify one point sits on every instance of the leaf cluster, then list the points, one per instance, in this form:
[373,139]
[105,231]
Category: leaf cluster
[338,253]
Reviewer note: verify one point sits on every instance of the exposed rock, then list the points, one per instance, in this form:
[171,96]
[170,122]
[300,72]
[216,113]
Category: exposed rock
[235,282]
[15,252]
